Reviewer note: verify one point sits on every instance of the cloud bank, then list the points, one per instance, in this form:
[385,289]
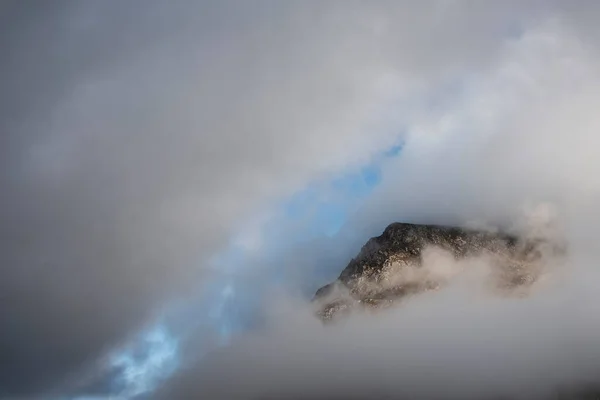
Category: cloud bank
[136,137]
[514,144]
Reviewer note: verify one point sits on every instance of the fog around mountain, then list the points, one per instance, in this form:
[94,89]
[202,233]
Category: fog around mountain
[140,138]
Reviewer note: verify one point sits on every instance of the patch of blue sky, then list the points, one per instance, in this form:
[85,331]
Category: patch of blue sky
[325,207]
[393,151]
[148,361]
[142,365]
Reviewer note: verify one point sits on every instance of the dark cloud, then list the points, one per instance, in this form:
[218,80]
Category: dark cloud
[93,169]
[134,135]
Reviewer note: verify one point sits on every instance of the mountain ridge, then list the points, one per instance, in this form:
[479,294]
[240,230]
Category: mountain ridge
[395,264]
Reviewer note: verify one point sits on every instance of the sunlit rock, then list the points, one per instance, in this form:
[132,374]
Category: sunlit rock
[409,259]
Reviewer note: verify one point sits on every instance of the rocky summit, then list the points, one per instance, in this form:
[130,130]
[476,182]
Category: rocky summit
[409,259]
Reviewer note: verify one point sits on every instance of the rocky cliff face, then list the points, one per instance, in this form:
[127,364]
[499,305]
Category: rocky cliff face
[410,259]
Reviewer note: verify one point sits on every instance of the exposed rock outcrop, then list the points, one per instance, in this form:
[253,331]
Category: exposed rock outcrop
[408,259]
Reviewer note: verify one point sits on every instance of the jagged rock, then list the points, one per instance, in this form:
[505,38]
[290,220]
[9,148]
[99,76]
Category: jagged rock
[390,267]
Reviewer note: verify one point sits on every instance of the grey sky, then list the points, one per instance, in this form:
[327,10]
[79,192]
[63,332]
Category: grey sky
[136,135]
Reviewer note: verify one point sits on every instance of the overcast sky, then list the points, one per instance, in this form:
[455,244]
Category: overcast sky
[142,140]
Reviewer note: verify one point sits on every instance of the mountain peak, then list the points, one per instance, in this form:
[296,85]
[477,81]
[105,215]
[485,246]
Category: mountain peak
[411,259]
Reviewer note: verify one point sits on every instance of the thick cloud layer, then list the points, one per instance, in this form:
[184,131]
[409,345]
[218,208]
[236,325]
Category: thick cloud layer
[136,135]
[457,343]
[513,146]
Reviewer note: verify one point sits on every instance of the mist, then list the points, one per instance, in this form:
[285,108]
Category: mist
[139,138]
[514,149]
